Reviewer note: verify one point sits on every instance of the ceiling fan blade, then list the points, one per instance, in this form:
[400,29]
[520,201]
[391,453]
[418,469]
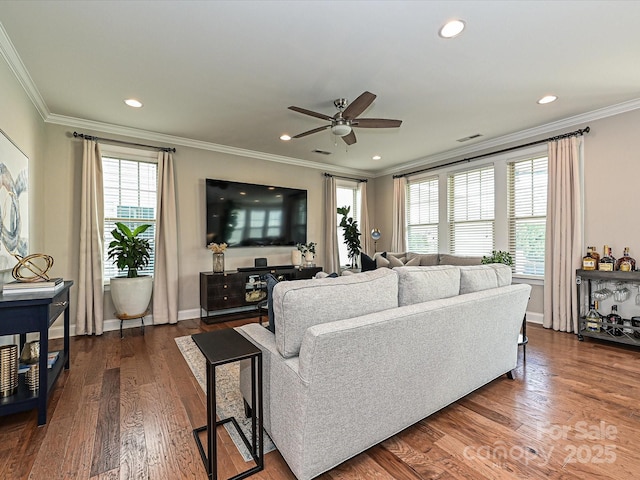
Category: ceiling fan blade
[310,132]
[350,138]
[376,123]
[359,105]
[310,112]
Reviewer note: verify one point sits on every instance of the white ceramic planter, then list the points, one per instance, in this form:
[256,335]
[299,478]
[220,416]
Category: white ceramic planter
[131,296]
[296,257]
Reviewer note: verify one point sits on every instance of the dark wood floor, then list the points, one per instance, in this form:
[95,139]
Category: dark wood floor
[127,407]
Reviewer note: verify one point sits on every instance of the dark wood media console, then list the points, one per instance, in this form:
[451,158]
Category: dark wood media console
[234,293]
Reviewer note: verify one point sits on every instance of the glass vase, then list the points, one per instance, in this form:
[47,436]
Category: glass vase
[218,262]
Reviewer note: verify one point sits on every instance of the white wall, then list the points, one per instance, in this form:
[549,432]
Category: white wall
[20,121]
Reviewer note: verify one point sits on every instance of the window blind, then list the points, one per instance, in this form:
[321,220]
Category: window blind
[471,201]
[527,193]
[422,215]
[129,197]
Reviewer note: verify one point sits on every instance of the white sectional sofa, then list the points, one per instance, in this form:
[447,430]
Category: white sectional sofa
[356,359]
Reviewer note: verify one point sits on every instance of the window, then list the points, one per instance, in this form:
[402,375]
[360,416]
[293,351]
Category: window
[129,197]
[471,211]
[347,195]
[527,192]
[422,215]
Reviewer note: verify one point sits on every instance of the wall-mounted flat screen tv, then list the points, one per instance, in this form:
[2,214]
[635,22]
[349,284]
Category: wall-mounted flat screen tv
[250,215]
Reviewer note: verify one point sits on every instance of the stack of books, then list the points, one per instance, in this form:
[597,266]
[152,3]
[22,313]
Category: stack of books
[49,286]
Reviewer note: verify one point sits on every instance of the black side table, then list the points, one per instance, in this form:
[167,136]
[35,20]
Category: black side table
[220,347]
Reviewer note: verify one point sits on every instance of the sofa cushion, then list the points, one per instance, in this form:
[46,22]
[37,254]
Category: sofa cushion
[424,259]
[381,261]
[447,259]
[422,284]
[301,304]
[482,277]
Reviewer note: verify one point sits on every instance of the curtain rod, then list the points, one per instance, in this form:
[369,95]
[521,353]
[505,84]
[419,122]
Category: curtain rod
[91,137]
[346,178]
[579,132]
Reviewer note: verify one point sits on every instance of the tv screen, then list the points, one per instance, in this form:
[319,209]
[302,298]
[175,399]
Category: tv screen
[250,215]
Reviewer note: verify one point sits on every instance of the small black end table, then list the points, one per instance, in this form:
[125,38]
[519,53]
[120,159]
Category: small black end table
[220,347]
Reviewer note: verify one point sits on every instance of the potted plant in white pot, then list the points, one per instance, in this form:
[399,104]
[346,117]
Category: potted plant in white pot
[131,294]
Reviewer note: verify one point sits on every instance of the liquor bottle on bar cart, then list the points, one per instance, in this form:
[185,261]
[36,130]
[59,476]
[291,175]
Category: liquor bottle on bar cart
[595,255]
[626,263]
[607,262]
[613,321]
[588,262]
[592,319]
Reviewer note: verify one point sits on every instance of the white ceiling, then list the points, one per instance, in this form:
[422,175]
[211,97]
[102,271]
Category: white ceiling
[224,72]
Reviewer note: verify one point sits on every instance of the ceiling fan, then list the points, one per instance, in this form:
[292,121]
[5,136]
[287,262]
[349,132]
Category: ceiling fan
[342,123]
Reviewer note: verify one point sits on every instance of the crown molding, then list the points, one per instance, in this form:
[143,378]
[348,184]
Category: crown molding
[569,122]
[198,144]
[14,61]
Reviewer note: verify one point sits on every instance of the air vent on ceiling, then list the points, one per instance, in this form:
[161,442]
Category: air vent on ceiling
[321,152]
[470,137]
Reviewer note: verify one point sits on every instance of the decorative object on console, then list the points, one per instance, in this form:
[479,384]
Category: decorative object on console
[218,256]
[131,294]
[498,256]
[309,251]
[8,370]
[38,264]
[260,262]
[296,256]
[351,234]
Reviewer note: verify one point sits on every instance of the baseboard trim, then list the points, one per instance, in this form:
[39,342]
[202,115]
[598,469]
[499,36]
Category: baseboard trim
[111,324]
[535,317]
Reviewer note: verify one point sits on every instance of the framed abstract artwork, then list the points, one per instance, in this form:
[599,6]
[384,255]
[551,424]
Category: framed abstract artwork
[14,203]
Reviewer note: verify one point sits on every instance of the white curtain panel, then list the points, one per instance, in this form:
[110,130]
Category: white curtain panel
[165,277]
[399,226]
[89,311]
[331,256]
[365,226]
[563,249]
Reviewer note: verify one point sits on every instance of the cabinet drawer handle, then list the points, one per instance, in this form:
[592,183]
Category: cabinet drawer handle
[225,286]
[225,298]
[61,304]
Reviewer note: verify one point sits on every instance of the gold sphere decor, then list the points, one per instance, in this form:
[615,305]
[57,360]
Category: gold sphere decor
[32,268]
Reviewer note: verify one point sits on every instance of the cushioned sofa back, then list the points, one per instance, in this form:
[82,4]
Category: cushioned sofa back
[482,277]
[422,284]
[301,304]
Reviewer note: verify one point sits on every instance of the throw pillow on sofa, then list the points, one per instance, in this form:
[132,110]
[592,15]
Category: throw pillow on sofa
[366,262]
[391,261]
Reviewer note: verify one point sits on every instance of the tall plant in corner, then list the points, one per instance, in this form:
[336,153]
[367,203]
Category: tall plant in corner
[351,235]
[131,294]
[129,251]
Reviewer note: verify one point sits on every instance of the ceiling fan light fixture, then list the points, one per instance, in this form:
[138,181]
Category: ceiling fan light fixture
[341,129]
[452,29]
[285,137]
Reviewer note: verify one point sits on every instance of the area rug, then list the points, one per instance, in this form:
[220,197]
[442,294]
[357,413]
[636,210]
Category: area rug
[228,396]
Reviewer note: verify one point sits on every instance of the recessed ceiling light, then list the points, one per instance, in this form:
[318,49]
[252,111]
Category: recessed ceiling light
[451,29]
[285,137]
[132,102]
[376,157]
[547,99]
